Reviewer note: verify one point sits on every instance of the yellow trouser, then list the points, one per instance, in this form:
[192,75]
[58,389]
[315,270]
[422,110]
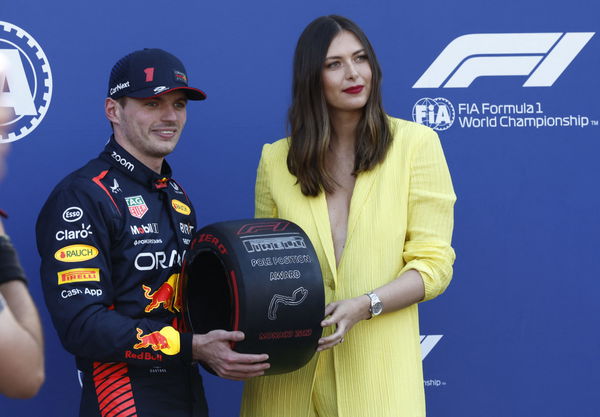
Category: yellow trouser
[290,395]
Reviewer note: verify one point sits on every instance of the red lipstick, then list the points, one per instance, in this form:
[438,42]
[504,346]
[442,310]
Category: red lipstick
[354,90]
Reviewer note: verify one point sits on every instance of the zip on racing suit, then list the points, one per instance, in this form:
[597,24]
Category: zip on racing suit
[112,236]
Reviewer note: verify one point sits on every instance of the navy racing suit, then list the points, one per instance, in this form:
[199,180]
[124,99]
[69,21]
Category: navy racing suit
[112,236]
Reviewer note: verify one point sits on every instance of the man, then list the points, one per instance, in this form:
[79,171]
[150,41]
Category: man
[112,236]
[21,340]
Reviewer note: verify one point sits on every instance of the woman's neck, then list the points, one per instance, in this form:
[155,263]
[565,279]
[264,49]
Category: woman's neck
[344,128]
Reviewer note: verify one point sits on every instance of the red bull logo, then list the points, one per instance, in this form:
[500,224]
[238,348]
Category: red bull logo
[155,340]
[166,340]
[165,295]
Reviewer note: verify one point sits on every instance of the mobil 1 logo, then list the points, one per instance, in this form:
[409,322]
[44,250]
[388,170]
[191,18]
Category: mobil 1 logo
[25,83]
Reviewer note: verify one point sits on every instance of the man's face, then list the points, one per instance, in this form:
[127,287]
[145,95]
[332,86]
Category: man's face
[150,128]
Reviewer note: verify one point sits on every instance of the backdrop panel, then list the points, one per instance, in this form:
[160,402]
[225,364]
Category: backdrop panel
[515,104]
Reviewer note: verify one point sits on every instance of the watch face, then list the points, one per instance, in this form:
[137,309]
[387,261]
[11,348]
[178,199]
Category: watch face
[376,308]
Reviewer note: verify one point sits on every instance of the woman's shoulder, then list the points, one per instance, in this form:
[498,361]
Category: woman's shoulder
[401,127]
[277,149]
[410,135]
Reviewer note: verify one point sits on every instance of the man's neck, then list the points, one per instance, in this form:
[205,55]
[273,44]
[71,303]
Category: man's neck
[154,163]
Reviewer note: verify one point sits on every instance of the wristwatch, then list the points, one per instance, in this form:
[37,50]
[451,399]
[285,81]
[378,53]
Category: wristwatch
[376,304]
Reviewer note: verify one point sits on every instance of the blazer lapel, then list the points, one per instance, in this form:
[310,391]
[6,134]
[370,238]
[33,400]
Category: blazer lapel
[360,195]
[318,206]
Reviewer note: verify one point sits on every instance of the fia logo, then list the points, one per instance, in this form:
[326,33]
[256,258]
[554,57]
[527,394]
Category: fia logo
[25,83]
[542,57]
[437,113]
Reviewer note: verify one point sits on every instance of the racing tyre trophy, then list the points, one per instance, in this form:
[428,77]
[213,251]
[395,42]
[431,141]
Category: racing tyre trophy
[260,276]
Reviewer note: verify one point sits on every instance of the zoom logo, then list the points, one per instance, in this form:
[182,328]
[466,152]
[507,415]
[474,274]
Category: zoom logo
[543,57]
[25,83]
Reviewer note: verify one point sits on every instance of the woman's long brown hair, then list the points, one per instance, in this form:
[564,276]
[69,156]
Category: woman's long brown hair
[308,116]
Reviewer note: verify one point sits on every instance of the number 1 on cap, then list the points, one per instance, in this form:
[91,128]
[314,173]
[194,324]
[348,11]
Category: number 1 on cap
[149,74]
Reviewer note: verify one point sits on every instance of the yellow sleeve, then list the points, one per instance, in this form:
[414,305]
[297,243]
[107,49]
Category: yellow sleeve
[264,206]
[430,216]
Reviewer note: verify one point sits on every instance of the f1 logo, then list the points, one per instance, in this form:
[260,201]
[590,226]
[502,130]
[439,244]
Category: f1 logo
[541,56]
[428,342]
[274,226]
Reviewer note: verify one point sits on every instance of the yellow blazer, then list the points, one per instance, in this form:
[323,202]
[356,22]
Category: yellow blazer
[401,217]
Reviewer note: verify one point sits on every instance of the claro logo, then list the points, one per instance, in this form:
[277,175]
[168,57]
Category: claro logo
[542,57]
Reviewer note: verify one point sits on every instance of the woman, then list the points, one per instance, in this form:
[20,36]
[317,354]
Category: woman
[374,195]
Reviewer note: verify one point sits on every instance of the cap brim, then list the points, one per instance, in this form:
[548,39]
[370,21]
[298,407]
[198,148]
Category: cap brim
[191,93]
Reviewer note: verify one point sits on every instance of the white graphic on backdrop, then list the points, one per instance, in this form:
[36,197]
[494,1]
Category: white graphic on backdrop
[428,342]
[25,83]
[542,57]
[437,113]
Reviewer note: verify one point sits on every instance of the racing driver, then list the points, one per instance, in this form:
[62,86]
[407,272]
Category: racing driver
[112,236]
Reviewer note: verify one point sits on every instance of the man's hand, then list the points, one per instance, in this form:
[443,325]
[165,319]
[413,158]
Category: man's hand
[214,349]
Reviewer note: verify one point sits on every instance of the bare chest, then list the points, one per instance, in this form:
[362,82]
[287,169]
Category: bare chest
[338,207]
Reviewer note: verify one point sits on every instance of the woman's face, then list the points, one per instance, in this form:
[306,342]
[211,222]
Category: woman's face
[346,74]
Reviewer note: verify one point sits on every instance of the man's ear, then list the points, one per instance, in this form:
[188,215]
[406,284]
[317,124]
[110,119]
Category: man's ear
[112,110]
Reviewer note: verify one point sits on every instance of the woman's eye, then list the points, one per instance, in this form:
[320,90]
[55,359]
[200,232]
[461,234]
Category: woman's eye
[361,58]
[334,64]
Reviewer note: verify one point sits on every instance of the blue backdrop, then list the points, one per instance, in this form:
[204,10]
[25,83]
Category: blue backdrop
[516,334]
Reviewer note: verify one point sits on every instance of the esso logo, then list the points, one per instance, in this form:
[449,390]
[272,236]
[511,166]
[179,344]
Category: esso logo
[72,214]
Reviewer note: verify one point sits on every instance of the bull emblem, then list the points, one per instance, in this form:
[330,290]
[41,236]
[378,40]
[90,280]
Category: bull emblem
[165,295]
[155,340]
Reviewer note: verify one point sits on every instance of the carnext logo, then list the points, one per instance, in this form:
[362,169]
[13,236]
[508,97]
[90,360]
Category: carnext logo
[542,57]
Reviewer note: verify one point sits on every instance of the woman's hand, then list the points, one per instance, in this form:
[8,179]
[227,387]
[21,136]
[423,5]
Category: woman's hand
[344,314]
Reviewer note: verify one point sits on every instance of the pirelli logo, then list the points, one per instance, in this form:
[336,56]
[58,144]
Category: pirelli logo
[78,275]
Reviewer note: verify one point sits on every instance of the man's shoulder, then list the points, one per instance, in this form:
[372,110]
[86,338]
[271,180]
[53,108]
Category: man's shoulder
[82,180]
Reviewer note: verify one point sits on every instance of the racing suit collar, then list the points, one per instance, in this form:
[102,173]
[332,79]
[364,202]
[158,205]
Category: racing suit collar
[123,161]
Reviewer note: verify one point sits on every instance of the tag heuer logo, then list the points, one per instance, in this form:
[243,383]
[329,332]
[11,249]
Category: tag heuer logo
[137,206]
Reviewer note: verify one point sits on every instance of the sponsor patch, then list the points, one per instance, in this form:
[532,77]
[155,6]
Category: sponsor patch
[94,292]
[137,206]
[78,275]
[72,214]
[144,228]
[66,234]
[180,207]
[166,340]
[115,188]
[124,162]
[76,253]
[186,229]
[119,87]
[181,77]
[176,187]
